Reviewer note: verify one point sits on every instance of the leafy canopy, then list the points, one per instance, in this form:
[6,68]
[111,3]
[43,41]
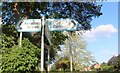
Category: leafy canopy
[82,12]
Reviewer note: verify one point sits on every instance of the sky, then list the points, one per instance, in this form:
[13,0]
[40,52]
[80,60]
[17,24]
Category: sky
[102,40]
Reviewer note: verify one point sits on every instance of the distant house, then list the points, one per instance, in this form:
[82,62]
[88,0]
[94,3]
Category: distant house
[87,69]
[97,66]
[94,66]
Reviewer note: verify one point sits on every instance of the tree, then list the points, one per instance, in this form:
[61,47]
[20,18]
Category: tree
[114,62]
[118,68]
[80,11]
[81,56]
[63,63]
[9,36]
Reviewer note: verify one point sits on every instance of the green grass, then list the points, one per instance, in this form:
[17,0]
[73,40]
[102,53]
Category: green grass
[67,72]
[89,72]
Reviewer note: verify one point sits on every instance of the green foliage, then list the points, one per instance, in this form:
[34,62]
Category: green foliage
[63,63]
[58,38]
[25,58]
[7,41]
[118,62]
[115,62]
[9,36]
[106,67]
[9,30]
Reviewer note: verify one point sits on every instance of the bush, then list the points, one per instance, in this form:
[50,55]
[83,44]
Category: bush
[25,58]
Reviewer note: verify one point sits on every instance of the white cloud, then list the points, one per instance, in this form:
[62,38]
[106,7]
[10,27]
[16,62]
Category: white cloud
[101,31]
[109,52]
[114,54]
[112,0]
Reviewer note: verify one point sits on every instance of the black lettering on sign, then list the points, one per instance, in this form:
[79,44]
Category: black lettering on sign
[36,26]
[57,26]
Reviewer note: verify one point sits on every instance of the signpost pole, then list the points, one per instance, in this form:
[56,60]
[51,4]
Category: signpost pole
[48,60]
[20,39]
[42,45]
[48,36]
[70,50]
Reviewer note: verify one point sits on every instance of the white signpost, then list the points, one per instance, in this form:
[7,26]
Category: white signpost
[29,25]
[35,25]
[48,36]
[62,24]
[42,45]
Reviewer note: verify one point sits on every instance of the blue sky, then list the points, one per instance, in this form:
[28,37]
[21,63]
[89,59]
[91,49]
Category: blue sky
[102,40]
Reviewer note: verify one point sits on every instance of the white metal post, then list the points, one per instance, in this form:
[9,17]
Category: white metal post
[20,39]
[42,45]
[70,50]
[48,60]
